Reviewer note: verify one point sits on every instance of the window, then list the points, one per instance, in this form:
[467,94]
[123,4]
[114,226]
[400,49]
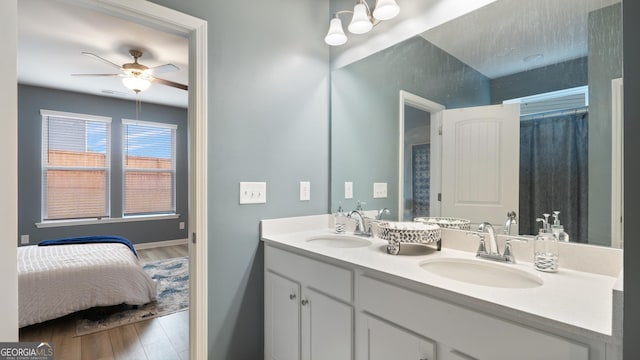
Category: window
[75,165]
[149,168]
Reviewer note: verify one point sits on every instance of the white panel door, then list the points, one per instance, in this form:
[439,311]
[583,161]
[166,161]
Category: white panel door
[327,327]
[385,341]
[480,162]
[282,318]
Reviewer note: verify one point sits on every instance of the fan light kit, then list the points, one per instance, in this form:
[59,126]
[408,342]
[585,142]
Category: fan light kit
[362,21]
[135,76]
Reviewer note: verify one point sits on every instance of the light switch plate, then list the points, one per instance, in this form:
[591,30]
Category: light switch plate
[379,190]
[305,190]
[253,193]
[348,190]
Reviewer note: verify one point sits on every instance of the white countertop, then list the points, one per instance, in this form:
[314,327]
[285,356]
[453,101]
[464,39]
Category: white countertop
[575,301]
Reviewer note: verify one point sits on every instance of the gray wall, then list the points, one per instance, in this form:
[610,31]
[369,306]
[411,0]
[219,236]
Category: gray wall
[631,30]
[364,113]
[268,121]
[605,64]
[564,75]
[30,100]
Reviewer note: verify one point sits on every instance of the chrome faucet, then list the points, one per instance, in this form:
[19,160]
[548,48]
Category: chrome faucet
[381,212]
[493,253]
[360,224]
[511,219]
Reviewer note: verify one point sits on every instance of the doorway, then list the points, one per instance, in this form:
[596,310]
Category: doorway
[195,30]
[419,161]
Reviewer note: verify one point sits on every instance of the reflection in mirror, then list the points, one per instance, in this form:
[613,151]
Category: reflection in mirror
[559,60]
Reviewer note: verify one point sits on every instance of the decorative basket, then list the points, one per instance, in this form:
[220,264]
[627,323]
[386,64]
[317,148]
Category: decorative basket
[397,233]
[445,222]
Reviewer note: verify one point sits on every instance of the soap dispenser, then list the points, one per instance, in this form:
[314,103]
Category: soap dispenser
[545,245]
[340,219]
[557,229]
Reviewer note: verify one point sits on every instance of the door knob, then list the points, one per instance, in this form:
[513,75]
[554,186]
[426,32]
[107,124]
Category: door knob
[292,296]
[304,302]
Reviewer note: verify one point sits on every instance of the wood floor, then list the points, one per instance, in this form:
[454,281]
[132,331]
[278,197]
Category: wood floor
[161,338]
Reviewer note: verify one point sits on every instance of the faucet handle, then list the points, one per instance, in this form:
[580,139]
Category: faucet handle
[508,253]
[482,248]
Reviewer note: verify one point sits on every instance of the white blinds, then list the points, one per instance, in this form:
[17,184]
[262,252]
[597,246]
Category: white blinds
[149,167]
[75,165]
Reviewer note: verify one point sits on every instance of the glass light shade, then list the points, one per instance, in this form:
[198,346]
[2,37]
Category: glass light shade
[360,23]
[386,9]
[336,35]
[136,83]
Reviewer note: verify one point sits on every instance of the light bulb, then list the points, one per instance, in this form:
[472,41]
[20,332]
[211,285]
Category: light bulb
[335,35]
[386,9]
[360,23]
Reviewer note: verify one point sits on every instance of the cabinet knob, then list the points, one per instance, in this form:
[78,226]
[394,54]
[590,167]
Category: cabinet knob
[304,302]
[292,296]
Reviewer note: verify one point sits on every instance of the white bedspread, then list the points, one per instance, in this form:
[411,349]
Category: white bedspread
[54,281]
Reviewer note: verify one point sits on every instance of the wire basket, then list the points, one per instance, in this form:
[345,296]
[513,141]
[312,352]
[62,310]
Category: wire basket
[397,233]
[445,222]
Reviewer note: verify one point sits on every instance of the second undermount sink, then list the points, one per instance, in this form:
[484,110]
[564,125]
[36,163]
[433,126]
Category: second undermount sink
[482,272]
[340,241]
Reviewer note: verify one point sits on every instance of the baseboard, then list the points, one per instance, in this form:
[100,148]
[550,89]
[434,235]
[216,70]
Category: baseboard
[157,244]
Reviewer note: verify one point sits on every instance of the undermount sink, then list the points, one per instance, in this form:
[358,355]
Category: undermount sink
[482,272]
[340,241]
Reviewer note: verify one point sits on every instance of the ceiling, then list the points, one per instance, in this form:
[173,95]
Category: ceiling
[510,36]
[52,36]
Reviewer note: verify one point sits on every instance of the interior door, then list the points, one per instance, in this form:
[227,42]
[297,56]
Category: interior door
[480,162]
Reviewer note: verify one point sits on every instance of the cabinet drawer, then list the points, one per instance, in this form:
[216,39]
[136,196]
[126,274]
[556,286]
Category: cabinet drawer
[329,279]
[467,331]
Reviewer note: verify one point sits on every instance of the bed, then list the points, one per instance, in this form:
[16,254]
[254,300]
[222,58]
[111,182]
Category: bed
[54,281]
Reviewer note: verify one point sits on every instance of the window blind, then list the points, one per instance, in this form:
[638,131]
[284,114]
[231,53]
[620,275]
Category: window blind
[75,165]
[149,168]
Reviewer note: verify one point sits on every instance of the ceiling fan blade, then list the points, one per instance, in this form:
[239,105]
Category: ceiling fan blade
[96,74]
[163,69]
[170,83]
[102,59]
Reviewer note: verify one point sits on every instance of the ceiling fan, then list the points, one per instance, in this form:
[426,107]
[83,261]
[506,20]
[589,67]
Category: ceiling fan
[136,76]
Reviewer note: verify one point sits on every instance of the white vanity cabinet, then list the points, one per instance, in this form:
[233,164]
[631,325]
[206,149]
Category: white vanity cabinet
[458,332]
[308,308]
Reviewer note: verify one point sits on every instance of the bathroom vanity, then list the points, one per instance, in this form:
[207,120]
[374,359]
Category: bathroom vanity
[335,297]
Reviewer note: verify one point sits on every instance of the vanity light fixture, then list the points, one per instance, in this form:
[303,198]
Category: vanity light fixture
[362,20]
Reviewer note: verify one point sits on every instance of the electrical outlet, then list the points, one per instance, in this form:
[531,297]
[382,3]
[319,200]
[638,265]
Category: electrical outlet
[305,190]
[379,190]
[348,190]
[181,225]
[253,192]
[24,239]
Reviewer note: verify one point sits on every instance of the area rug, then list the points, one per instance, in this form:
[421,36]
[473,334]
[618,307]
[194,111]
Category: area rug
[172,279]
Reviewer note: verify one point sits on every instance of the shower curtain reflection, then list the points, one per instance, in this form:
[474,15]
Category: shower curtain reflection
[554,170]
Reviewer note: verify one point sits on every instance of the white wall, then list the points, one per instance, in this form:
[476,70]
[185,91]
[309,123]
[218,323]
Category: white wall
[9,178]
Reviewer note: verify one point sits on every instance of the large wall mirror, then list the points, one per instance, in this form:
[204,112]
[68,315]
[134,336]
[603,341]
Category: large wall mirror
[558,63]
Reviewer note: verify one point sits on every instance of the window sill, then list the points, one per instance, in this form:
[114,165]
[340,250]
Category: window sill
[60,223]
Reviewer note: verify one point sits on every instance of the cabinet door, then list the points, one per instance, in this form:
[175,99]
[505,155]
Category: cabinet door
[327,327]
[383,341]
[282,318]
